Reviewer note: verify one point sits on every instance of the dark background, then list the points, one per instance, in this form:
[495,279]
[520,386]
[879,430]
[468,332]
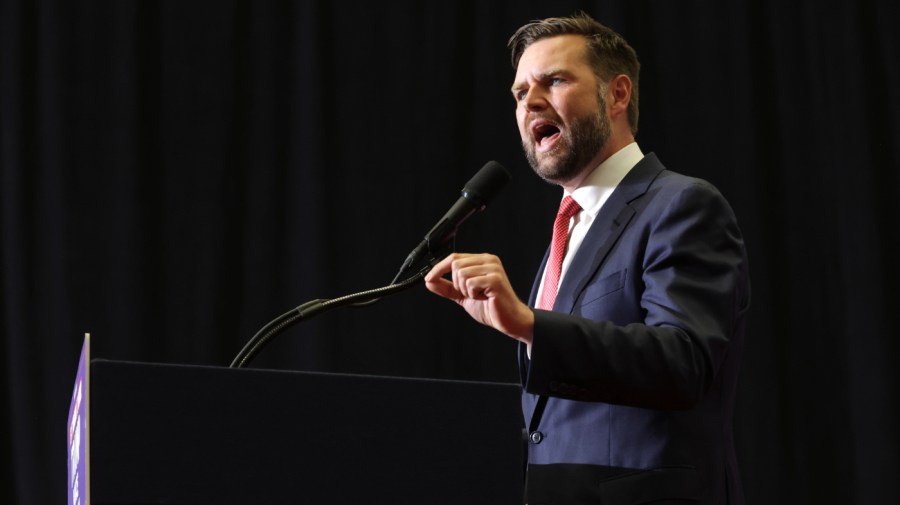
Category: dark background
[175,174]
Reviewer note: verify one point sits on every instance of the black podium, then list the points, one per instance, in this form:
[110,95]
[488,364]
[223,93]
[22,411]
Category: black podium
[204,435]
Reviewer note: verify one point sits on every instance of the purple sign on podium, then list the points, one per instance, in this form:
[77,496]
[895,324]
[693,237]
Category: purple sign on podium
[78,431]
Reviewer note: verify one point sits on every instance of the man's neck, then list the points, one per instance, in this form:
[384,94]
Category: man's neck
[612,146]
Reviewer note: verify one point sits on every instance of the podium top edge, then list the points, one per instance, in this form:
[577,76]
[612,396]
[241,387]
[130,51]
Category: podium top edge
[274,371]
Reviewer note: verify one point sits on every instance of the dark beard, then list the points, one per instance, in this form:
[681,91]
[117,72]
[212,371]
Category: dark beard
[580,143]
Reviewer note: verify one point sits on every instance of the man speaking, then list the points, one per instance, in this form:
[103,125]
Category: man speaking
[631,342]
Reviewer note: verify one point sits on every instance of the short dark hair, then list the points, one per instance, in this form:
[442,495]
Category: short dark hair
[608,53]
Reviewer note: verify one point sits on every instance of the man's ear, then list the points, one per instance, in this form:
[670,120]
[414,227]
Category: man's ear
[618,95]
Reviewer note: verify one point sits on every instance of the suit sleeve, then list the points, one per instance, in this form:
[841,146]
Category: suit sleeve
[685,294]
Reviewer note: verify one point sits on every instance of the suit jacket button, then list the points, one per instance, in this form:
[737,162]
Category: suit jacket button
[536,437]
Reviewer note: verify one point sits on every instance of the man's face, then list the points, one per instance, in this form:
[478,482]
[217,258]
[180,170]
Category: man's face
[561,114]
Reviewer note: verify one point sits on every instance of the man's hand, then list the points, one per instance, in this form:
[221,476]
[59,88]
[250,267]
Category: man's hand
[479,284]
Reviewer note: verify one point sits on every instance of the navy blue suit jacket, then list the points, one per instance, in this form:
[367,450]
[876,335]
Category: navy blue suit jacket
[629,391]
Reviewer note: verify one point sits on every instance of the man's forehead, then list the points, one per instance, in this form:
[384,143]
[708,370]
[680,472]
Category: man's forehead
[552,54]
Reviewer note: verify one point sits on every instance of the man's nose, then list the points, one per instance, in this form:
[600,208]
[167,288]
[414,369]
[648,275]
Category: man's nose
[535,99]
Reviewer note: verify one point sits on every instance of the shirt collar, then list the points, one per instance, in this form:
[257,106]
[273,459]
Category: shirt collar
[597,187]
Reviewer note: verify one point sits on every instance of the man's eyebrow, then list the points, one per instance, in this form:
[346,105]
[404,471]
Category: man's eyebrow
[547,74]
[543,76]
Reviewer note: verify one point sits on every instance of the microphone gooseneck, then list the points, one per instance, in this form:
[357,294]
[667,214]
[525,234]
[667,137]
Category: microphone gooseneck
[476,194]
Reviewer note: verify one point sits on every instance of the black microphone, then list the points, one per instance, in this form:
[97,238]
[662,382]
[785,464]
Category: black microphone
[476,194]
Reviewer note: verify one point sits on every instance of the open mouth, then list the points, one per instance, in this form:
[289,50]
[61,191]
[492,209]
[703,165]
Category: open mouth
[545,135]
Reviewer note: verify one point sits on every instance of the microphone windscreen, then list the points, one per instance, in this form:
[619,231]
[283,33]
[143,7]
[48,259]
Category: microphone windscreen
[485,184]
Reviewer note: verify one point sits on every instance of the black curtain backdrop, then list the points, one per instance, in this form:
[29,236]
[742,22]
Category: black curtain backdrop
[175,174]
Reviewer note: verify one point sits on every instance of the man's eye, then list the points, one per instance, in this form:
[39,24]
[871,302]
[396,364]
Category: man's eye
[520,95]
[555,81]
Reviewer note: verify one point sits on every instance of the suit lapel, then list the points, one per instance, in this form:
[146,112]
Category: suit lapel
[605,231]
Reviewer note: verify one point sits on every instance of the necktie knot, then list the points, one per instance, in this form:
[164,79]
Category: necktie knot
[568,208]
